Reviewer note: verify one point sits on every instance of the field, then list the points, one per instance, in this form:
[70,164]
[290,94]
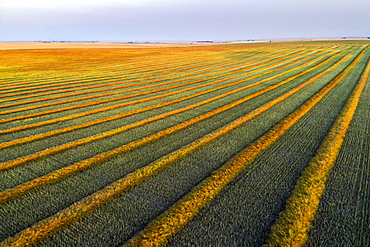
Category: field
[217,145]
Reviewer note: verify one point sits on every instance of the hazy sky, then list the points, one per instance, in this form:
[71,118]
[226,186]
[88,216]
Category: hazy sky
[181,20]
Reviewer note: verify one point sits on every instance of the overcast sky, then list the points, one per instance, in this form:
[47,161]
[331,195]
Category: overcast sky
[181,20]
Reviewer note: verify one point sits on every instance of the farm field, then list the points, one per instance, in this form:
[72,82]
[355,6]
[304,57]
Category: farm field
[224,145]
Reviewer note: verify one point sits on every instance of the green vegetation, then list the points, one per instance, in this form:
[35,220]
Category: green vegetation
[180,146]
[343,209]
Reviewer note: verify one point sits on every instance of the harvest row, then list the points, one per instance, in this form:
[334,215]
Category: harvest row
[175,164]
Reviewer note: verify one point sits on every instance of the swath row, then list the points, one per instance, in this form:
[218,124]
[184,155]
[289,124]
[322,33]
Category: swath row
[305,197]
[39,155]
[201,77]
[191,67]
[165,161]
[158,231]
[139,68]
[188,75]
[57,175]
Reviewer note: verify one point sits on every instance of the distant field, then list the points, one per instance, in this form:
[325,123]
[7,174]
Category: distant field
[79,45]
[239,145]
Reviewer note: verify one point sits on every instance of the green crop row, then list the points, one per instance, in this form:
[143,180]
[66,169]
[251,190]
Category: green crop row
[174,163]
[344,207]
[98,94]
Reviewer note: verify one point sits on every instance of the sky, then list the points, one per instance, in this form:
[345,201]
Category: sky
[181,20]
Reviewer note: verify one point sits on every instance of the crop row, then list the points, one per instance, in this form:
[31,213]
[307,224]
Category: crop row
[110,76]
[129,67]
[137,67]
[294,222]
[202,73]
[64,80]
[192,67]
[254,71]
[246,208]
[182,212]
[50,151]
[37,210]
[109,94]
[344,206]
[57,175]
[222,131]
[100,102]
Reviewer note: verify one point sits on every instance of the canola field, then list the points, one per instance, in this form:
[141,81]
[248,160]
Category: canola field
[240,145]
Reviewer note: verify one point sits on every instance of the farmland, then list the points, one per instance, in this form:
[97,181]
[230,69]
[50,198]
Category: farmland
[224,145]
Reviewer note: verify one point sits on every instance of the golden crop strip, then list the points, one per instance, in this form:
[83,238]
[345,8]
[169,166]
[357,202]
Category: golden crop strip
[171,221]
[138,67]
[75,78]
[72,88]
[45,153]
[121,70]
[156,69]
[56,176]
[200,71]
[80,209]
[91,81]
[178,55]
[85,86]
[62,81]
[294,223]
[164,66]
[189,68]
[203,77]
[19,128]
[127,69]
[123,97]
[102,90]
[117,116]
[139,62]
